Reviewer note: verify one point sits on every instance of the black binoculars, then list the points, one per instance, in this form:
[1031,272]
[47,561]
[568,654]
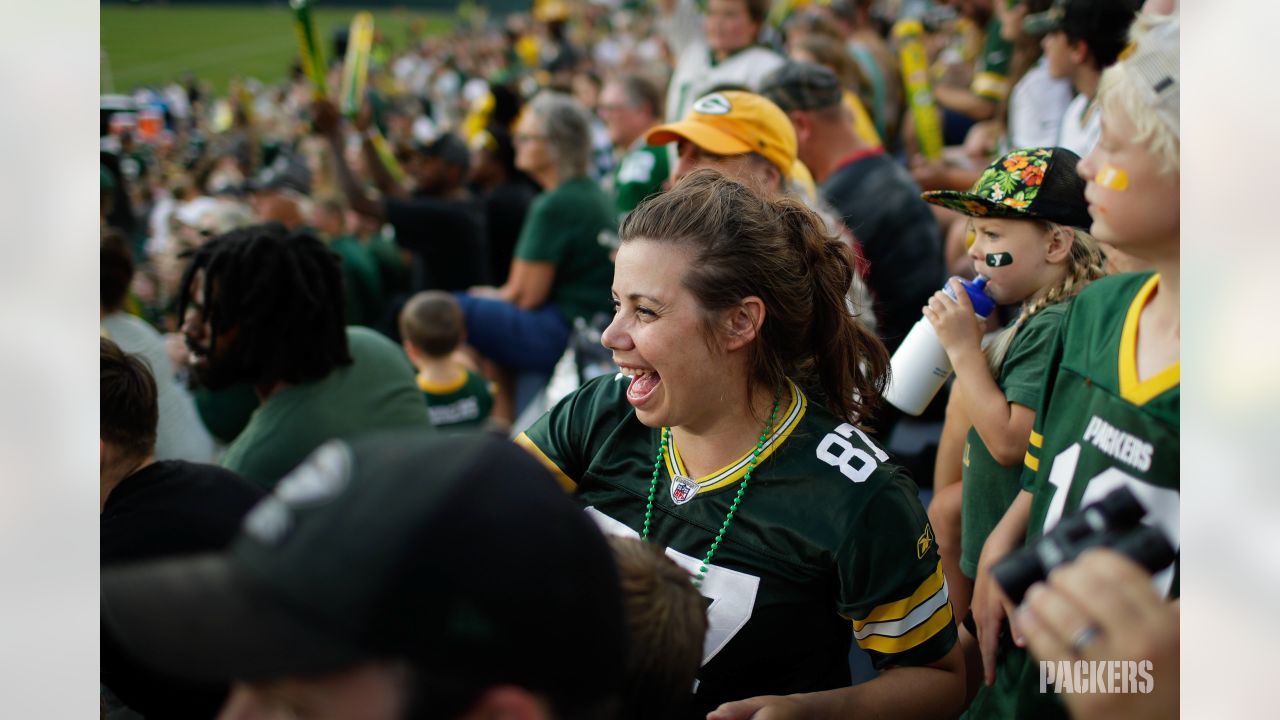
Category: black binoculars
[1115,521]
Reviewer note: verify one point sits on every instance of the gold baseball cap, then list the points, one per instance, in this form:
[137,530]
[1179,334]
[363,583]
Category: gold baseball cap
[734,123]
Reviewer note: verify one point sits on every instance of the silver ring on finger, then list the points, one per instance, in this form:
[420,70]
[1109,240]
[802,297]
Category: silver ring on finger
[1084,637]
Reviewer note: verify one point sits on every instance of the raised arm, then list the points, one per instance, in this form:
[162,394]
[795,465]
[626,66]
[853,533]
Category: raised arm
[681,23]
[328,124]
[382,177]
[1003,426]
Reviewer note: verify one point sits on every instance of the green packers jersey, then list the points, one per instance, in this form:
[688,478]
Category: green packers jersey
[465,403]
[1098,428]
[640,174]
[989,487]
[991,79]
[829,543]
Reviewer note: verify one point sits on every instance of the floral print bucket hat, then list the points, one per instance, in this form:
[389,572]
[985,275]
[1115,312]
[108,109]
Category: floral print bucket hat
[1027,184]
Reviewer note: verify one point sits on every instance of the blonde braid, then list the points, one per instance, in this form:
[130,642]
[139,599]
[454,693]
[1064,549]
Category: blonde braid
[1084,265]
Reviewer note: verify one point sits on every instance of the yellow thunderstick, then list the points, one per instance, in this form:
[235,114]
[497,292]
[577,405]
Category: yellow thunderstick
[355,74]
[355,69]
[915,78]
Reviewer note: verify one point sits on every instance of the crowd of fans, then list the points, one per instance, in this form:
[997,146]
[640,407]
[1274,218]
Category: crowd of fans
[348,357]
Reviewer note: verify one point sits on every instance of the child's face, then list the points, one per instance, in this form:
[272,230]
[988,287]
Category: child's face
[1133,204]
[1013,256]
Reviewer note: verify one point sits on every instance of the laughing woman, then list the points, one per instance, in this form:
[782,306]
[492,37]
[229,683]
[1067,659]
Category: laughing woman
[732,438]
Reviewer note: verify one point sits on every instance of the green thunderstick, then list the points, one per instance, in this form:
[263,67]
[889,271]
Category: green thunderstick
[308,46]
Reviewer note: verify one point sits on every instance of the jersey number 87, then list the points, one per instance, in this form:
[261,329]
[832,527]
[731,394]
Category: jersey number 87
[854,463]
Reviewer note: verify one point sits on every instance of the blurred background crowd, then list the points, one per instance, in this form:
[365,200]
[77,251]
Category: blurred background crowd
[472,190]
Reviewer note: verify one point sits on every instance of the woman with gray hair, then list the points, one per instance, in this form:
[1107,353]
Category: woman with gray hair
[561,269]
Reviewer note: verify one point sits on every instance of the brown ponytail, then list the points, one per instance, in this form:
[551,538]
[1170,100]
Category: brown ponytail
[781,252]
[850,364]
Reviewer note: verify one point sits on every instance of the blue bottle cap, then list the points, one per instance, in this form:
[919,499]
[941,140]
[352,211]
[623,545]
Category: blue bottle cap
[982,304]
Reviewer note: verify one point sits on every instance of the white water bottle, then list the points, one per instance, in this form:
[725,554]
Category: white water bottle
[920,366]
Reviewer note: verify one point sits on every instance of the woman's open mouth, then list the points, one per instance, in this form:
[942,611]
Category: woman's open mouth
[643,384]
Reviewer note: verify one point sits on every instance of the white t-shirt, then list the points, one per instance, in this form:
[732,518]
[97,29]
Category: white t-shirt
[1036,108]
[695,74]
[1079,134]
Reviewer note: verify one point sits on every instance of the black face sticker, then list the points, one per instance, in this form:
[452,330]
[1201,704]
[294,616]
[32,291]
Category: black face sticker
[999,259]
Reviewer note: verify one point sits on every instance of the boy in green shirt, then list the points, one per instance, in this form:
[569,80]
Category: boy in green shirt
[431,330]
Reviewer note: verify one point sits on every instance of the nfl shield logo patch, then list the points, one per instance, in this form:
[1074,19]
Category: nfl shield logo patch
[682,489]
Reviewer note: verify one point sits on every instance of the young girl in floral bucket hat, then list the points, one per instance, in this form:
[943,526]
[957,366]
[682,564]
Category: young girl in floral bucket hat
[1109,417]
[1029,221]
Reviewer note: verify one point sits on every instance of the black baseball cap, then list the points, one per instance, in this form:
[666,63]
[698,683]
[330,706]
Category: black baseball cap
[286,172]
[448,147]
[456,553]
[1082,17]
[802,86]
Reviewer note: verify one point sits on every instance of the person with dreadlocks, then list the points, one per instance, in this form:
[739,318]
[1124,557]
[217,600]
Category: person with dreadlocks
[263,306]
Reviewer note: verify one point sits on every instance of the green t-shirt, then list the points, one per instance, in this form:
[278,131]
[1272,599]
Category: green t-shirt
[572,227]
[1097,428]
[226,411]
[640,174]
[374,392]
[392,268]
[989,487]
[362,280]
[829,543]
[462,404]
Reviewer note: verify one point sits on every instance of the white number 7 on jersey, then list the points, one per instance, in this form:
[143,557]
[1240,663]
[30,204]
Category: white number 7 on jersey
[732,593]
[840,438]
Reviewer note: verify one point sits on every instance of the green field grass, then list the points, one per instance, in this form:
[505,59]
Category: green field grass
[148,45]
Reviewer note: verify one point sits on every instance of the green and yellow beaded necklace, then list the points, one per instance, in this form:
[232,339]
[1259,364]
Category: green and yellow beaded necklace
[733,508]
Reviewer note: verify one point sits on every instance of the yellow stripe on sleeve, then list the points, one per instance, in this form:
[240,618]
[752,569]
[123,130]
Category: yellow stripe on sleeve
[1032,462]
[565,481]
[1037,439]
[920,633]
[901,608]
[991,85]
